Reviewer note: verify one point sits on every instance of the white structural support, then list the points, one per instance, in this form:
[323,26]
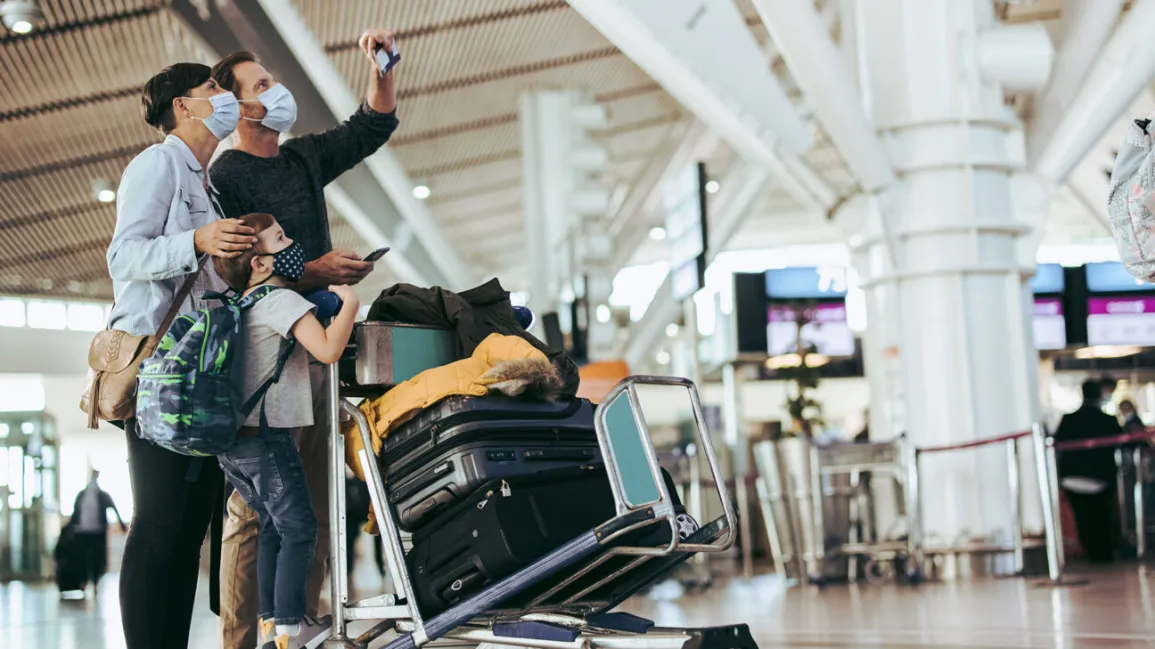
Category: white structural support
[1123,69]
[1086,26]
[705,57]
[819,69]
[743,187]
[341,100]
[565,206]
[958,347]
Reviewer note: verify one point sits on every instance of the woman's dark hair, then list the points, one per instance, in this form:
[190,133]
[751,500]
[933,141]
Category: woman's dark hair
[172,82]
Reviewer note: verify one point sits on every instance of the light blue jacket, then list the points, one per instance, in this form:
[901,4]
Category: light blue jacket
[161,202]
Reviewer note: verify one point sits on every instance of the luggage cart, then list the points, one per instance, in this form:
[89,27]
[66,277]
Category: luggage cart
[565,599]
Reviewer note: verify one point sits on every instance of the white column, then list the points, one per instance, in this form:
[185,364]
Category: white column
[950,292]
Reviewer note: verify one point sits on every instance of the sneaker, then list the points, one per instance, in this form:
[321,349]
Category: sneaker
[268,631]
[310,633]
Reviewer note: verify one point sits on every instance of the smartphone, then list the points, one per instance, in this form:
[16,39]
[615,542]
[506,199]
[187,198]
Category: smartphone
[387,59]
[376,254]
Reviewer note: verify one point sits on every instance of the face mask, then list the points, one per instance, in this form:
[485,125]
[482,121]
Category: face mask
[290,262]
[280,107]
[226,114]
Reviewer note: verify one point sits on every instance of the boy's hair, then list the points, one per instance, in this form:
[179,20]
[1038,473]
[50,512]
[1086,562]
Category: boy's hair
[237,271]
[223,70]
[159,92]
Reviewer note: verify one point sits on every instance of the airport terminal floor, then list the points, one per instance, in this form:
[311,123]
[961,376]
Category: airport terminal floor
[1116,608]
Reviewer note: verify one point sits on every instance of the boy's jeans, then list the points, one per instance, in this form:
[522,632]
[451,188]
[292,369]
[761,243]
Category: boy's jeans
[266,471]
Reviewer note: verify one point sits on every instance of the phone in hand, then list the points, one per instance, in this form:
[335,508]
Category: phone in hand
[376,254]
[387,59]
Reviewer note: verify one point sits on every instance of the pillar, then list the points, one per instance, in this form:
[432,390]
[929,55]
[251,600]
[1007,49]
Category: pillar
[946,293]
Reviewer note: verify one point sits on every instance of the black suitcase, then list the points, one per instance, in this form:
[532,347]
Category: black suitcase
[71,564]
[454,447]
[507,525]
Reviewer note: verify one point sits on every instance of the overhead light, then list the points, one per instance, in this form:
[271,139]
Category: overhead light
[421,192]
[20,16]
[663,358]
[1106,351]
[658,234]
[712,187]
[672,330]
[602,313]
[103,191]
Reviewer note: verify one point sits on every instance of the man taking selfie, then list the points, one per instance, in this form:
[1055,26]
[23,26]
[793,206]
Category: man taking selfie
[261,175]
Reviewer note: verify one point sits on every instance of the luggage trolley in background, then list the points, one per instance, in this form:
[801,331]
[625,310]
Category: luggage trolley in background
[565,598]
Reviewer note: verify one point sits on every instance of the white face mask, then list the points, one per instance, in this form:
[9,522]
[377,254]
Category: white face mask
[226,114]
[280,107]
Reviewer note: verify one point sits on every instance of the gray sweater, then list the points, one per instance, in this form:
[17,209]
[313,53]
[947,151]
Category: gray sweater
[291,185]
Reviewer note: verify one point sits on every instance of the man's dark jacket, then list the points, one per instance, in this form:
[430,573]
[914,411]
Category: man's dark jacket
[1088,422]
[472,315]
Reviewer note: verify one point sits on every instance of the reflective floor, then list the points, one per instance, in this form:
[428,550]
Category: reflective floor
[1115,609]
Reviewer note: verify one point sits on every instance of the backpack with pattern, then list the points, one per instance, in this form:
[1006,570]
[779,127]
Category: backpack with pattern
[188,396]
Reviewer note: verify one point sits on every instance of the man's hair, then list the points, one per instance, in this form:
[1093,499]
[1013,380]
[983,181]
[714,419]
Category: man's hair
[1092,390]
[223,72]
[1127,405]
[237,271]
[159,92]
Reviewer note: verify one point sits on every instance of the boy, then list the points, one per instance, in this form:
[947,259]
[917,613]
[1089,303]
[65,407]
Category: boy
[265,467]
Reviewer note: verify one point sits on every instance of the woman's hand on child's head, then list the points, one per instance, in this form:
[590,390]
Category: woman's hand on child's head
[347,294]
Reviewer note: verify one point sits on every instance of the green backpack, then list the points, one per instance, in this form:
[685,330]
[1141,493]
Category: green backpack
[188,395]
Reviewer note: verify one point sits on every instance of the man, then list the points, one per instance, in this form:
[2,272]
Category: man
[1130,416]
[287,180]
[1087,476]
[89,513]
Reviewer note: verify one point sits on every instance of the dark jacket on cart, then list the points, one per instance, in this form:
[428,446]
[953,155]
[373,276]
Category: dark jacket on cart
[473,315]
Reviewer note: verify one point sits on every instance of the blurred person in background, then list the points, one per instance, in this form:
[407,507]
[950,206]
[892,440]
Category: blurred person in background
[357,505]
[1130,416]
[90,520]
[1086,475]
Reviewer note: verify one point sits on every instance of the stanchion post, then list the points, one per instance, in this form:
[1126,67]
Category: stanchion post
[914,538]
[1014,481]
[1049,492]
[1140,514]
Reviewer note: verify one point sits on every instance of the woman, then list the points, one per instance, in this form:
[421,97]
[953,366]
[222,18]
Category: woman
[165,224]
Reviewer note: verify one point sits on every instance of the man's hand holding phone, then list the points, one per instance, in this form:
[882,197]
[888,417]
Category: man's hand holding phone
[381,48]
[339,267]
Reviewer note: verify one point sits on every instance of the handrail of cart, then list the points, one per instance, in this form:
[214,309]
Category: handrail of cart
[664,506]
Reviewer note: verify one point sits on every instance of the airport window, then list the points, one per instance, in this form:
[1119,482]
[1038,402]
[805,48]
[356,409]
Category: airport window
[11,312]
[86,317]
[47,315]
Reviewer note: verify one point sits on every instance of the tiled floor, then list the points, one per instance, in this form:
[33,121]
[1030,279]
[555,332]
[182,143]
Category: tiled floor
[1116,609]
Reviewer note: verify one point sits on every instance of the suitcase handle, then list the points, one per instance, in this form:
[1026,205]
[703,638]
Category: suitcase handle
[558,454]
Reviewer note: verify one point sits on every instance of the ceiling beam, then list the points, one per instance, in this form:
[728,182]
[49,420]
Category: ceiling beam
[375,196]
[704,55]
[1122,70]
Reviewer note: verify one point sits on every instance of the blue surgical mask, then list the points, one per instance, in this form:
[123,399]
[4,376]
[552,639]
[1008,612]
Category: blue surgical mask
[226,114]
[280,107]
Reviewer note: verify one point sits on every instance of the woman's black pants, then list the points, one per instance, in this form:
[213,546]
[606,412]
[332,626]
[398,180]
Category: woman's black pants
[174,497]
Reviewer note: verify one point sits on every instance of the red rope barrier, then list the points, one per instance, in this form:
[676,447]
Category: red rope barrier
[976,443]
[1104,442]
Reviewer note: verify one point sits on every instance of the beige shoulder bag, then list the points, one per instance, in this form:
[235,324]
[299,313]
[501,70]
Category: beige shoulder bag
[114,358]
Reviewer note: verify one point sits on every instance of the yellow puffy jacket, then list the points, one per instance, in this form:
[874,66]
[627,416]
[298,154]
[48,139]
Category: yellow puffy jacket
[464,377]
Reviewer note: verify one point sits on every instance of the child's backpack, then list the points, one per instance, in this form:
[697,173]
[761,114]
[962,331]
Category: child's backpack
[1130,201]
[188,396]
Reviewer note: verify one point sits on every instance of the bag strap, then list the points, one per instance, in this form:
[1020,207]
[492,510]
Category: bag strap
[181,295]
[287,348]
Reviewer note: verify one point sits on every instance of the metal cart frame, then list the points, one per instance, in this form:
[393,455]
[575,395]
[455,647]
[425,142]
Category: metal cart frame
[558,616]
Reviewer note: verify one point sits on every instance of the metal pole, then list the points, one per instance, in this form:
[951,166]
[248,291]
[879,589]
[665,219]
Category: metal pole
[1140,514]
[732,418]
[1015,484]
[1049,493]
[914,540]
[767,506]
[1121,492]
[338,579]
[697,505]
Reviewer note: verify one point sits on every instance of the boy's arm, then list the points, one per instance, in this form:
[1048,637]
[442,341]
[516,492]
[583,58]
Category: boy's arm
[327,344]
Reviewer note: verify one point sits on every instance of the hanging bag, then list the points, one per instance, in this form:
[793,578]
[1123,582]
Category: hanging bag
[1129,201]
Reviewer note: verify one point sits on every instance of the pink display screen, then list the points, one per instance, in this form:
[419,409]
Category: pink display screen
[826,329]
[1121,321]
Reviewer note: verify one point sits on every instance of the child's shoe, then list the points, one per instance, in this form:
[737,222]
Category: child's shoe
[309,634]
